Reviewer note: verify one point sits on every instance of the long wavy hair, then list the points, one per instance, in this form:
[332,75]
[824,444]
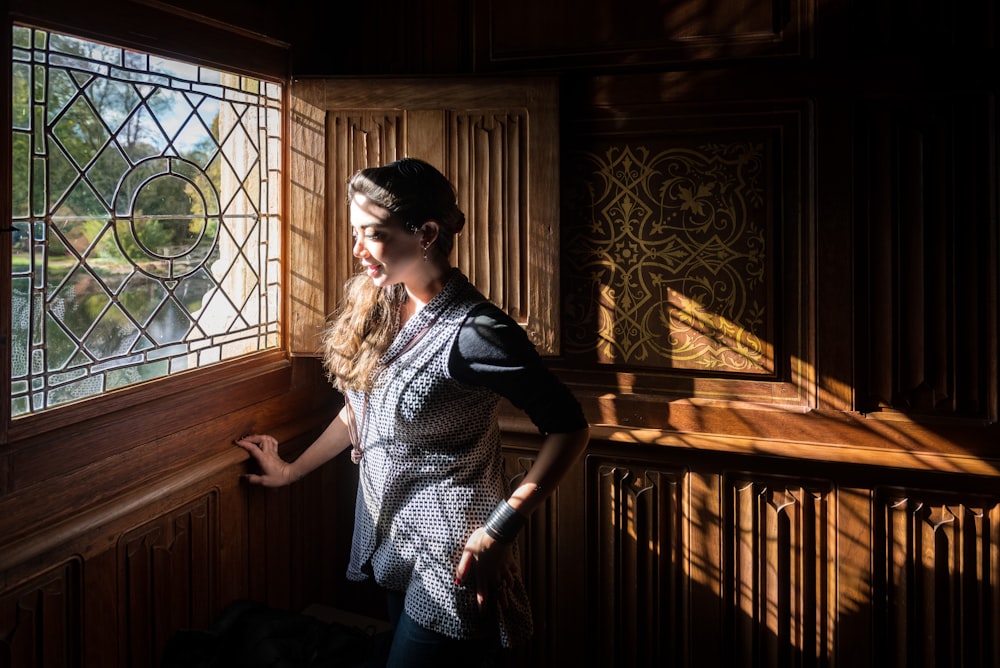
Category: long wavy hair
[367,319]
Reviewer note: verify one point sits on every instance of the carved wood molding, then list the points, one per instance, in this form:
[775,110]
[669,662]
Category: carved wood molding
[46,538]
[168,570]
[850,439]
[640,543]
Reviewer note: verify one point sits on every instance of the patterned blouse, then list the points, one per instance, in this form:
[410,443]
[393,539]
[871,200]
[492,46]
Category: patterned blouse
[431,471]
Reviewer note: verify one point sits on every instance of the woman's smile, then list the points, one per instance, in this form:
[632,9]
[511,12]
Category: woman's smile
[386,249]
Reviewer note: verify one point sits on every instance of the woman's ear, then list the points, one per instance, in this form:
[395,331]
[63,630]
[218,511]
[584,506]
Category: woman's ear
[429,233]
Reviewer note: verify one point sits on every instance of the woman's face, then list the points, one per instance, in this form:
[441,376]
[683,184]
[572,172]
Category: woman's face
[388,253]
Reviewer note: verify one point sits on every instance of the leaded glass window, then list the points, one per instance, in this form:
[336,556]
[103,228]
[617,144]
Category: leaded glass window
[145,216]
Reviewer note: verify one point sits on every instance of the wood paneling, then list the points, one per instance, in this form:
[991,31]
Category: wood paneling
[927,244]
[840,514]
[687,246]
[40,621]
[781,570]
[524,33]
[307,263]
[539,547]
[938,561]
[497,142]
[169,570]
[698,560]
[639,557]
[102,565]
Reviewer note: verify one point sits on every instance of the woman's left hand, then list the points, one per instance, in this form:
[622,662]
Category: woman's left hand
[489,564]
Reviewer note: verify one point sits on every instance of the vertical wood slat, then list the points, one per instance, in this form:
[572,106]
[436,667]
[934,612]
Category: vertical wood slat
[941,579]
[538,550]
[939,206]
[781,572]
[923,175]
[163,563]
[424,130]
[745,573]
[136,604]
[639,547]
[306,294]
[491,173]
[40,622]
[975,259]
[99,607]
[909,186]
[702,570]
[516,220]
[355,139]
[880,307]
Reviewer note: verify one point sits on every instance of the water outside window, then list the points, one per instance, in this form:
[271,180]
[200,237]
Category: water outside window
[146,197]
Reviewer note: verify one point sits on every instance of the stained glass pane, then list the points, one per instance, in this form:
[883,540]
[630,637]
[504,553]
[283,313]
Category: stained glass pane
[147,218]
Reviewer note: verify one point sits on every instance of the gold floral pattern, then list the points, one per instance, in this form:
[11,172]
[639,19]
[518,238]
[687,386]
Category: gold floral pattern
[667,257]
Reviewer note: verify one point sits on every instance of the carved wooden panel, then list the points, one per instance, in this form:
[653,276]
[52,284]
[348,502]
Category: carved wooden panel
[490,149]
[686,249]
[937,578]
[581,32]
[497,142]
[538,545]
[637,576]
[673,253]
[40,620]
[781,571]
[927,334]
[168,579]
[355,139]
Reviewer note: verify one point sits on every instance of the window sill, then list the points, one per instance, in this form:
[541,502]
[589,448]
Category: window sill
[226,387]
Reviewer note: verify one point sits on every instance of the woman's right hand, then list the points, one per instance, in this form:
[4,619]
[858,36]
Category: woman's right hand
[274,471]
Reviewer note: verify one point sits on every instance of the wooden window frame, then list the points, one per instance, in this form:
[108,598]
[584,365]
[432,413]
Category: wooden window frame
[120,415]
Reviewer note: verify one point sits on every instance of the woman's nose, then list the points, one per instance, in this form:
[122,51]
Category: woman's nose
[359,246]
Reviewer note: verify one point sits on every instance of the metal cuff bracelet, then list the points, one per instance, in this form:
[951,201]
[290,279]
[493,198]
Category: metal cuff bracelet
[504,523]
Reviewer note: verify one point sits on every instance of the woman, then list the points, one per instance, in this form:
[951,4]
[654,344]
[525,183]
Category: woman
[423,360]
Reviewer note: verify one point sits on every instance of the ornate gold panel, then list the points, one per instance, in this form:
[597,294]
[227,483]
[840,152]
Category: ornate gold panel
[668,256]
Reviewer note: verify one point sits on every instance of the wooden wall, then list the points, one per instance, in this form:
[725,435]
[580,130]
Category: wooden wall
[124,519]
[780,309]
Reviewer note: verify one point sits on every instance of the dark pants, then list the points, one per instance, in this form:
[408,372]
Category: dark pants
[413,646]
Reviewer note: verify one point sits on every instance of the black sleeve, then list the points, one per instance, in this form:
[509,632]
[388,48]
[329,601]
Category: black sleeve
[493,351]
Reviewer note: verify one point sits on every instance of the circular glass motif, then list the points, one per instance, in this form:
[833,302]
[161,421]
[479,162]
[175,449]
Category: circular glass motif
[166,217]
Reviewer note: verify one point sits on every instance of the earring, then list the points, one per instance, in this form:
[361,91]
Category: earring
[425,251]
